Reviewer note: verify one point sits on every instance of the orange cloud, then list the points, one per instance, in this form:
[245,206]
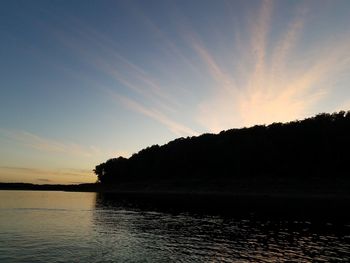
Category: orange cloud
[272,89]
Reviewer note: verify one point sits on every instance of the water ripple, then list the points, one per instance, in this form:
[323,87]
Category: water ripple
[94,231]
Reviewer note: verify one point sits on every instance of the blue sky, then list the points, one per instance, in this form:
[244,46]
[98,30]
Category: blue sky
[84,81]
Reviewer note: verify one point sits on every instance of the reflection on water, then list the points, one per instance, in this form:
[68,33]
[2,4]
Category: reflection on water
[193,237]
[85,227]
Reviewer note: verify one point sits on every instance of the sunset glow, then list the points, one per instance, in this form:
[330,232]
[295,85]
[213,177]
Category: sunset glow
[84,81]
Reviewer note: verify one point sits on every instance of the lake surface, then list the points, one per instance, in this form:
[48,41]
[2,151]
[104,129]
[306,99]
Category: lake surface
[87,227]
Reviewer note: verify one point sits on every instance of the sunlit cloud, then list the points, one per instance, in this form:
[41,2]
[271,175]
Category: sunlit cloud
[273,78]
[260,30]
[36,142]
[177,128]
[129,75]
[273,89]
[115,65]
[225,81]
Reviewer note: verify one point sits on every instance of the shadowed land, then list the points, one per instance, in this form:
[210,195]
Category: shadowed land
[301,164]
[301,167]
[308,157]
[49,187]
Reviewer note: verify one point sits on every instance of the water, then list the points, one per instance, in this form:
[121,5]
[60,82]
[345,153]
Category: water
[88,227]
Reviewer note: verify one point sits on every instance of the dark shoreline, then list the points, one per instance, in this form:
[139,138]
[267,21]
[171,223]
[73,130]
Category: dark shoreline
[321,205]
[49,187]
[322,193]
[144,191]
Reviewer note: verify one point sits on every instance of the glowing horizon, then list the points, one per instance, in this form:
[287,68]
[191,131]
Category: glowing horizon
[107,79]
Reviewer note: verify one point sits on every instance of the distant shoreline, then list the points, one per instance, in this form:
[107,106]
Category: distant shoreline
[49,187]
[322,205]
[129,191]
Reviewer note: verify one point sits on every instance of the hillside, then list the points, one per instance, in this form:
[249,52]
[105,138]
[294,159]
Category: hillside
[310,156]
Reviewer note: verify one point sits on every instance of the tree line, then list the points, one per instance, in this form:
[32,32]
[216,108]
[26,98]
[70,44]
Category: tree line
[313,147]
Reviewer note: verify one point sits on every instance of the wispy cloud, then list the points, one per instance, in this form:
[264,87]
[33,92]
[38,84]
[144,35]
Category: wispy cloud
[223,78]
[273,88]
[177,128]
[263,87]
[260,30]
[48,145]
[131,76]
[93,46]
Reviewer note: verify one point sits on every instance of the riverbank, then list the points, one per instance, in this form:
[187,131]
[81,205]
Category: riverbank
[313,188]
[318,202]
[49,187]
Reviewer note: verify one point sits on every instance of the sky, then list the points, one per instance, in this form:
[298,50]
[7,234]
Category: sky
[85,81]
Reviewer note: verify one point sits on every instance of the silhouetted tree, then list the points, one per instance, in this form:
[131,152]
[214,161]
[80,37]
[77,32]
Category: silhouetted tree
[314,147]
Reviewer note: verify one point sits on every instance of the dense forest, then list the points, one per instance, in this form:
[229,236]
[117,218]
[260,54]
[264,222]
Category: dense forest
[312,149]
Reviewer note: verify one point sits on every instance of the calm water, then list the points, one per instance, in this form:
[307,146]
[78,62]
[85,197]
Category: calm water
[85,227]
